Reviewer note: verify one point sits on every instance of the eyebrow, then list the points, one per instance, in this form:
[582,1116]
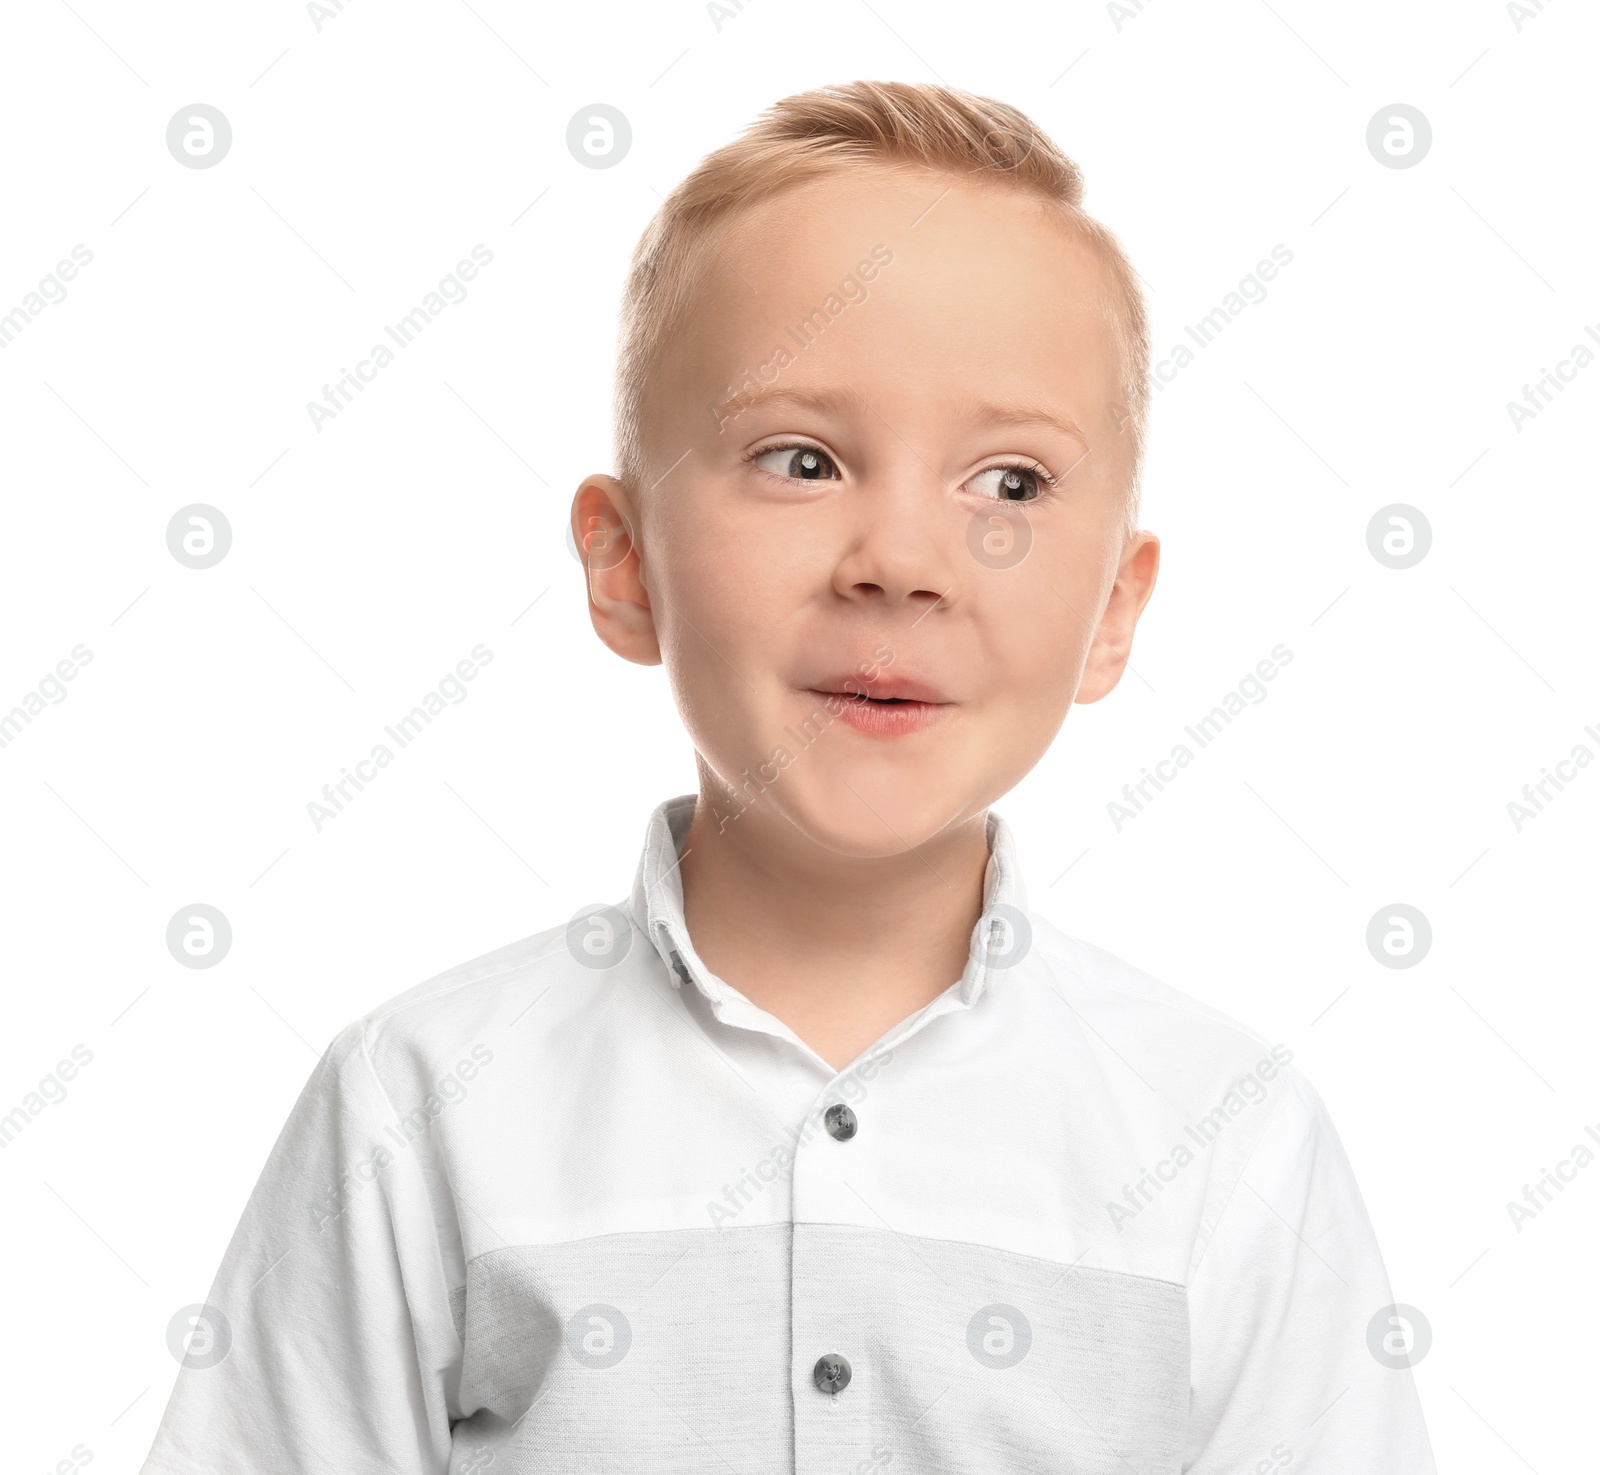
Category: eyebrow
[1023,412]
[985,412]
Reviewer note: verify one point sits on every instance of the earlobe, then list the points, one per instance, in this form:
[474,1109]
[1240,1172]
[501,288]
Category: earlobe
[619,603]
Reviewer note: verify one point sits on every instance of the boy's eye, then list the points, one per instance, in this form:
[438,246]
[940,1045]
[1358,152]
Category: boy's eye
[800,463]
[1008,484]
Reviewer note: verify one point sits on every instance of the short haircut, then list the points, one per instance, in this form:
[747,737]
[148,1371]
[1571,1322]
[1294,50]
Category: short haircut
[812,134]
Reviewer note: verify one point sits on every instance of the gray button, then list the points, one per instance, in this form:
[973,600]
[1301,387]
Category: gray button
[832,1373]
[841,1124]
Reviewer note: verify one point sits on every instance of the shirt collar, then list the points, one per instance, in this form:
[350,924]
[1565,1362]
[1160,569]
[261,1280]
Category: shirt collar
[656,904]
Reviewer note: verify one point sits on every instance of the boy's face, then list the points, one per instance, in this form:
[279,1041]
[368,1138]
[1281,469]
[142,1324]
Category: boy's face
[842,513]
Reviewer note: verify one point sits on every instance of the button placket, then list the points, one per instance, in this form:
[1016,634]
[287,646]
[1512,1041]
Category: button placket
[831,1373]
[831,1341]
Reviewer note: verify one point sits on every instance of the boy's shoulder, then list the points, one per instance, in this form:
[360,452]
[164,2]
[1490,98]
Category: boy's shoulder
[478,982]
[1155,1024]
[1093,972]
[426,1027]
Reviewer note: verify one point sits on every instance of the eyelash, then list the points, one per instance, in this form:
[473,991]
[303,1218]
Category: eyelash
[1023,464]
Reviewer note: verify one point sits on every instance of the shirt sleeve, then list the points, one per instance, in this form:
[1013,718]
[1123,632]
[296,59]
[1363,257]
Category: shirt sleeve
[1293,1344]
[326,1343]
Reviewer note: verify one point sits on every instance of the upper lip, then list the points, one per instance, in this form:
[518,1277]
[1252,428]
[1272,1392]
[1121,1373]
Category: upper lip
[885,686]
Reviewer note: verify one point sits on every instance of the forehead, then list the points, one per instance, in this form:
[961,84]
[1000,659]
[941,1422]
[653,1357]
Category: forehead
[911,275]
[902,205]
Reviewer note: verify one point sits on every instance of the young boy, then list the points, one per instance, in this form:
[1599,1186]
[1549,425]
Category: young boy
[822,1153]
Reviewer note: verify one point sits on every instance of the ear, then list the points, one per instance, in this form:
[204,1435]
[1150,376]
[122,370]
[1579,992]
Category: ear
[1113,638]
[603,522]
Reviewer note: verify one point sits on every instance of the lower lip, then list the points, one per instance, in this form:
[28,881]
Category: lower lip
[884,719]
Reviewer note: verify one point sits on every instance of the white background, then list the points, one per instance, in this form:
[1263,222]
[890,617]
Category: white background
[368,157]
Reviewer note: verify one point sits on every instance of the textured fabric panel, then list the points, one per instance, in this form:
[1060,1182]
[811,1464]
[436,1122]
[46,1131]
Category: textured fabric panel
[630,1352]
[683,1351]
[981,1359]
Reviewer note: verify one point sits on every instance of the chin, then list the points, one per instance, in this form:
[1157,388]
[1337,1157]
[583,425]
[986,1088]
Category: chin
[873,811]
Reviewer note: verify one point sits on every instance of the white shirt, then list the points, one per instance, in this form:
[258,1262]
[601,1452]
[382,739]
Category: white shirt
[580,1206]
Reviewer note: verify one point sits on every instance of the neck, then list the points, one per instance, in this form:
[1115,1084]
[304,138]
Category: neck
[838,947]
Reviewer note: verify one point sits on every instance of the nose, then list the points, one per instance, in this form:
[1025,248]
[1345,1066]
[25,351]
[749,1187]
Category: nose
[900,542]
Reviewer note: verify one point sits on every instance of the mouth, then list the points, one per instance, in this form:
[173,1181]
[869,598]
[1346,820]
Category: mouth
[883,707]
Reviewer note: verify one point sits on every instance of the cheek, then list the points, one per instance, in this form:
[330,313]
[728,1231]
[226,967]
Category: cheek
[1035,644]
[722,617]
[1038,623]
[717,593]
[738,579]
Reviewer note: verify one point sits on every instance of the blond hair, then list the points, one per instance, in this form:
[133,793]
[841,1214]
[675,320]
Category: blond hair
[885,124]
